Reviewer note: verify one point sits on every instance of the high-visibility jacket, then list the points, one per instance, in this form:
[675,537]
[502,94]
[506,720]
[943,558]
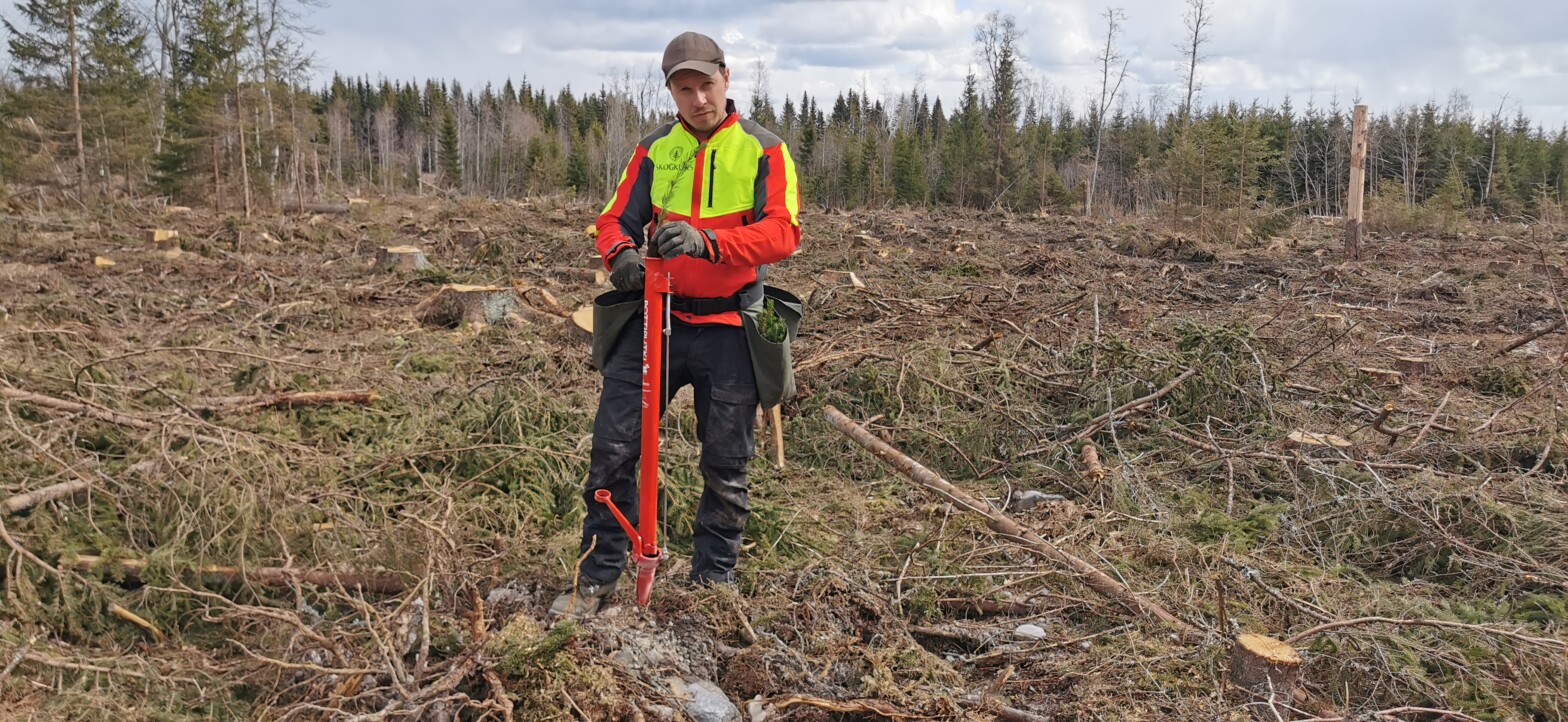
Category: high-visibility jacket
[738,187]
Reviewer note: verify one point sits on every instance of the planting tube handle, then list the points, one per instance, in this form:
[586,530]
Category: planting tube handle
[603,497]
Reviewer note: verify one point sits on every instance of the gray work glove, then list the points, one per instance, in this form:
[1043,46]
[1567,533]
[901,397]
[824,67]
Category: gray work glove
[626,271]
[680,239]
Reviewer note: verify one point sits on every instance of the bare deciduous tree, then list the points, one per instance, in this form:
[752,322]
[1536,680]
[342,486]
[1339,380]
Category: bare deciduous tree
[1109,57]
[1197,18]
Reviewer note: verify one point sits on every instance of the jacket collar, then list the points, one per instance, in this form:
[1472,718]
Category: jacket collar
[731,117]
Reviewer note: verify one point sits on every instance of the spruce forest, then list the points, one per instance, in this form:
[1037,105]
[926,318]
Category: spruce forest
[1110,404]
[214,103]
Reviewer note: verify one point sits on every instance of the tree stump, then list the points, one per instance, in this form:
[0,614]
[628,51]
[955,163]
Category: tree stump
[458,305]
[583,318]
[1412,366]
[163,239]
[1333,321]
[470,238]
[1266,668]
[1308,440]
[1383,377]
[401,258]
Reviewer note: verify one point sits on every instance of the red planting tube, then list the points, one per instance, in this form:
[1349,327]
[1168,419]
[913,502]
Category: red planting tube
[656,285]
[645,543]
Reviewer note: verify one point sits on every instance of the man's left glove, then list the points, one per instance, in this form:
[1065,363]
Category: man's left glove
[680,239]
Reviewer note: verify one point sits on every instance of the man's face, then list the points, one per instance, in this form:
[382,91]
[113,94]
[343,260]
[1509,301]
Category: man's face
[700,98]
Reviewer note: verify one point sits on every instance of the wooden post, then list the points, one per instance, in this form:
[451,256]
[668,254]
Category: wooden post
[1358,182]
[776,415]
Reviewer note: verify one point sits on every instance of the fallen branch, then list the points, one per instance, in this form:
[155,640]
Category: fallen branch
[1320,349]
[136,619]
[288,400]
[1256,577]
[1440,623]
[1379,465]
[1432,420]
[999,522]
[23,502]
[1394,714]
[1382,418]
[113,417]
[1114,415]
[1092,469]
[1556,326]
[965,607]
[1006,714]
[298,207]
[857,706]
[131,570]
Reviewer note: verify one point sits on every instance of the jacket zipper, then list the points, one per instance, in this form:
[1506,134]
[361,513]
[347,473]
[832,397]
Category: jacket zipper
[696,185]
[712,174]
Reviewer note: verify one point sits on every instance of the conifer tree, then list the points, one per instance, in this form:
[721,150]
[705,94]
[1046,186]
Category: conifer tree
[451,166]
[909,178]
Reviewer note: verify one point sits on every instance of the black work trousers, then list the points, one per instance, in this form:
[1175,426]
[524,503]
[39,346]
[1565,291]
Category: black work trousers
[716,362]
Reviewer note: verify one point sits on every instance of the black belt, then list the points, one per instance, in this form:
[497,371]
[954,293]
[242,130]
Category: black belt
[745,298]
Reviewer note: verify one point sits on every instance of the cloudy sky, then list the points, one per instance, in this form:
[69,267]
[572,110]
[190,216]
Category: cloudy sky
[1383,52]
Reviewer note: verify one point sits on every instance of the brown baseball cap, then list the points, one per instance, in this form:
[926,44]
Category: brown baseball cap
[692,51]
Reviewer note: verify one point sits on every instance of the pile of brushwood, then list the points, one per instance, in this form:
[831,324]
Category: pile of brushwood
[250,472]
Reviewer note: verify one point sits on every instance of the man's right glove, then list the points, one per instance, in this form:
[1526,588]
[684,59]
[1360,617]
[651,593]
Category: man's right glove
[626,271]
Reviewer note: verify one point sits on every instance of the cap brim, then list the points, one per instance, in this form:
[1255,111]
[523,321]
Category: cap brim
[700,66]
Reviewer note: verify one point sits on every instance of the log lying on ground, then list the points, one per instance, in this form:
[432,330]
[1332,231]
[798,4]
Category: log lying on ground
[582,275]
[132,569]
[1555,326]
[49,402]
[23,502]
[401,258]
[457,305]
[999,522]
[298,207]
[289,400]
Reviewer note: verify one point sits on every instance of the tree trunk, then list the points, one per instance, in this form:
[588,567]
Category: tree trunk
[76,100]
[239,118]
[1358,156]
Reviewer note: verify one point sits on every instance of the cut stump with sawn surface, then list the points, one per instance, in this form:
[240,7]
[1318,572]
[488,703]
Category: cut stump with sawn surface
[1267,669]
[401,258]
[458,305]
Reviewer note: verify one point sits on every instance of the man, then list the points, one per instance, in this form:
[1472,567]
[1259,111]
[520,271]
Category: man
[718,194]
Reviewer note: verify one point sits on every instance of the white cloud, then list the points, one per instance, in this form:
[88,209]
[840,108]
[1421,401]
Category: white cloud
[511,42]
[1387,52]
